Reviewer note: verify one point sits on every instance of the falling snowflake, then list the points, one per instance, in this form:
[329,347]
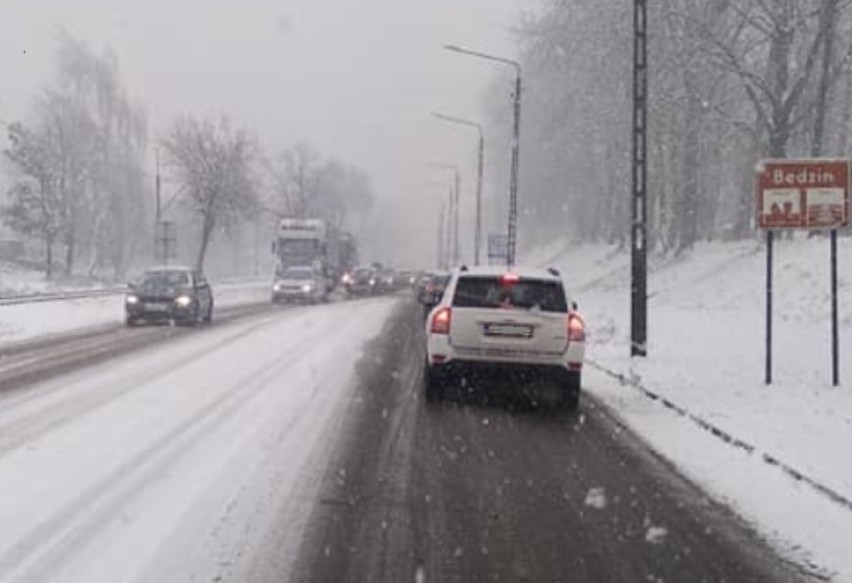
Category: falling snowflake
[655,534]
[596,498]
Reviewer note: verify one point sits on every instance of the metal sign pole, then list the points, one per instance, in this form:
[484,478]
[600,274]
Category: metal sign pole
[835,340]
[770,236]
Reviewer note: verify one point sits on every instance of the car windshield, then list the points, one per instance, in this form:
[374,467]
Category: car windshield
[298,273]
[496,292]
[156,279]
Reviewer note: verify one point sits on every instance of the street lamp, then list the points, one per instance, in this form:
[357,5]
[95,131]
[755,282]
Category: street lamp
[516,138]
[454,205]
[478,127]
[445,233]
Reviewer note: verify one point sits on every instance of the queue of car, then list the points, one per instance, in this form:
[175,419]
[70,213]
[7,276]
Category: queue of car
[377,280]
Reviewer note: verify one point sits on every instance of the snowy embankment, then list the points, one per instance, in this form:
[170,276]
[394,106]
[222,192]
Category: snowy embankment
[28,321]
[184,462]
[706,357]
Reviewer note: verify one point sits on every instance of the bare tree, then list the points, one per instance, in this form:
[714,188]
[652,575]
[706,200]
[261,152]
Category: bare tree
[215,165]
[305,185]
[34,207]
[730,81]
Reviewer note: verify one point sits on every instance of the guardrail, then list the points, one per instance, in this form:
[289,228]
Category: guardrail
[59,296]
[33,298]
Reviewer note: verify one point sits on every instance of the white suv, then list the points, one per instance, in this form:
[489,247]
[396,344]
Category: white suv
[515,328]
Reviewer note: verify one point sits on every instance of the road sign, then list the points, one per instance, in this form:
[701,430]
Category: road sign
[498,246]
[803,194]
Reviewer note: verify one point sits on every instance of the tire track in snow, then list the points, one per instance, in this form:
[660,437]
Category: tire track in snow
[46,548]
[30,426]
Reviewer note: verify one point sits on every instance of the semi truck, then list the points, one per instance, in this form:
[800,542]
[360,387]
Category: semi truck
[316,243]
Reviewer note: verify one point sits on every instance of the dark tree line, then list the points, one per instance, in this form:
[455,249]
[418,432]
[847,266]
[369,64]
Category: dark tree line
[732,81]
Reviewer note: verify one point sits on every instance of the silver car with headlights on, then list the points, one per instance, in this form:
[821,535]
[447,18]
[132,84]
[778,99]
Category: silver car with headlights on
[305,284]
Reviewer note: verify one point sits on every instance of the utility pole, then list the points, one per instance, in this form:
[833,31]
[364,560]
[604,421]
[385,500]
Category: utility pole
[638,230]
[513,193]
[159,235]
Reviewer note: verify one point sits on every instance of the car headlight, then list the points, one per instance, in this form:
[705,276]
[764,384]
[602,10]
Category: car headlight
[276,287]
[183,301]
[132,300]
[307,288]
[372,282]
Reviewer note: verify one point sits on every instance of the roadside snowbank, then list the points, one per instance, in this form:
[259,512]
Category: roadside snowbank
[706,354]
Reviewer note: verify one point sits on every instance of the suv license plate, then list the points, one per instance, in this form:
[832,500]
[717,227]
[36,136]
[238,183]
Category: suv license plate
[157,307]
[509,330]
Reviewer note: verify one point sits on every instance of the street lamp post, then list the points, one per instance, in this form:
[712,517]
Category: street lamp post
[516,143]
[454,205]
[480,169]
[441,236]
[446,232]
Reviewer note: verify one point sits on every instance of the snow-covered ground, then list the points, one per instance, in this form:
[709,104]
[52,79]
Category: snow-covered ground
[108,472]
[706,355]
[18,280]
[27,321]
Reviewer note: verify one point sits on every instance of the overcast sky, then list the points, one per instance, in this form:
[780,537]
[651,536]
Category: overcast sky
[357,78]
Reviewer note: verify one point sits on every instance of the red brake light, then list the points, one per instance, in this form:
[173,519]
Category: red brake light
[576,328]
[441,321]
[510,279]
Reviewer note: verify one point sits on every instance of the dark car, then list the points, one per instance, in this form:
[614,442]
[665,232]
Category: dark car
[431,289]
[177,294]
[363,282]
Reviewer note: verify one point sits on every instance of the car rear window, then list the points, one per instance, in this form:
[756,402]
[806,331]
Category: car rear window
[494,292]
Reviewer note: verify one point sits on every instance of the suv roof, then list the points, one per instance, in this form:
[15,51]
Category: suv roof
[169,268]
[523,272]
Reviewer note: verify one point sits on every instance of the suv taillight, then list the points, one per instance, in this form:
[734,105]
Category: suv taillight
[441,321]
[576,328]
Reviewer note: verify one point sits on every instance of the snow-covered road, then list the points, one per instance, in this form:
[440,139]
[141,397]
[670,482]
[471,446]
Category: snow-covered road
[169,464]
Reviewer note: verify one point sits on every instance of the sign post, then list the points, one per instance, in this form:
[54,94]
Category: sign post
[803,195]
[498,248]
[166,242]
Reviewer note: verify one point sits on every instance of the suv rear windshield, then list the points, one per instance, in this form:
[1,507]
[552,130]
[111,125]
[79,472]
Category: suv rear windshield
[493,292]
